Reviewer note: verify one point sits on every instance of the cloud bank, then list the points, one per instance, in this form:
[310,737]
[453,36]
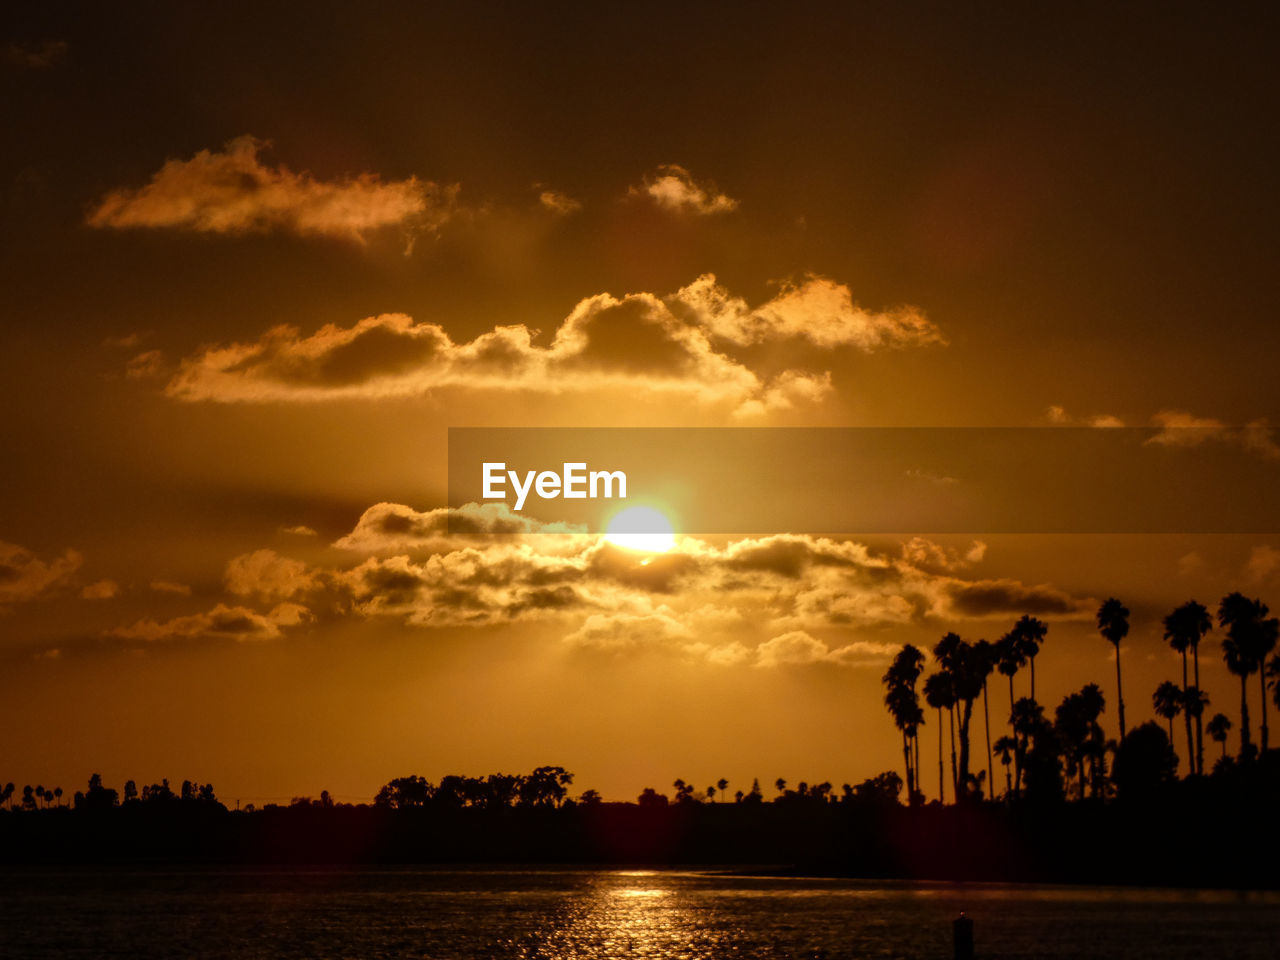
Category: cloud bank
[769,602]
[685,343]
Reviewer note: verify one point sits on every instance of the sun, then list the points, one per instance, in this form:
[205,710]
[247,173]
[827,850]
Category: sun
[645,529]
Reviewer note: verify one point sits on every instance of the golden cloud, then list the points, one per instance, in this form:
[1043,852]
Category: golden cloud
[221,623]
[768,601]
[681,344]
[23,576]
[672,188]
[233,191]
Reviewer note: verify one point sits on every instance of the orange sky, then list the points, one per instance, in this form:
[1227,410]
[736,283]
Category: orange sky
[251,277]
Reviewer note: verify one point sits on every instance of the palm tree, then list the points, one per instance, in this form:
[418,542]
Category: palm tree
[984,655]
[1167,702]
[904,706]
[1193,703]
[1010,657]
[781,784]
[1251,635]
[722,785]
[1113,624]
[967,671]
[1219,726]
[1184,628]
[1076,724]
[1030,633]
[938,694]
[1028,724]
[1006,748]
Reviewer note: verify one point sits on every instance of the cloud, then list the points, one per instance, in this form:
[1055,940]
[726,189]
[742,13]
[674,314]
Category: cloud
[1263,561]
[560,204]
[36,56]
[626,632]
[701,601]
[266,574]
[146,366]
[1181,429]
[1001,598]
[221,623]
[938,479]
[925,553]
[798,648]
[168,586]
[1190,563]
[23,576]
[393,527]
[101,590]
[816,309]
[233,191]
[1059,416]
[682,344]
[672,188]
[299,531]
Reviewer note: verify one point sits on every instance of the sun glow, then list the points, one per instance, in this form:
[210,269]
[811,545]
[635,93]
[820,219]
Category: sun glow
[645,529]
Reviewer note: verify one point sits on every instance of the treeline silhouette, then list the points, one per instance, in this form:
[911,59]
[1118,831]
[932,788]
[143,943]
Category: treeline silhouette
[1150,828]
[1075,805]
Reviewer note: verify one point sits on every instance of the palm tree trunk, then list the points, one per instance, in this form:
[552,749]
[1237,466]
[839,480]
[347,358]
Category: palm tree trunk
[915,760]
[1119,693]
[942,797]
[955,777]
[1186,714]
[1017,761]
[1033,676]
[1262,682]
[1244,717]
[986,719]
[906,759]
[1195,660]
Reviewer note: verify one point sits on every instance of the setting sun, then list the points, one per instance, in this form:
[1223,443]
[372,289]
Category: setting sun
[641,528]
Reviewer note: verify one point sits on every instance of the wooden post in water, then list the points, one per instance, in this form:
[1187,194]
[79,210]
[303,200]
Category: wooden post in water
[962,929]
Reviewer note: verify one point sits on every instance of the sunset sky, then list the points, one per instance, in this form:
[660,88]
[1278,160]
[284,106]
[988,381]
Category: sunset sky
[256,262]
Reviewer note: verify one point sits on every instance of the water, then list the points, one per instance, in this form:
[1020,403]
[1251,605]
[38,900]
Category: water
[592,914]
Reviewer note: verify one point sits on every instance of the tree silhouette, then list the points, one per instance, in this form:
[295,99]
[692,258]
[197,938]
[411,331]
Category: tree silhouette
[1219,726]
[1251,635]
[1038,745]
[722,784]
[1145,762]
[904,706]
[967,671]
[1184,628]
[1167,703]
[984,655]
[1080,734]
[1030,633]
[938,694]
[1006,748]
[1113,624]
[1010,657]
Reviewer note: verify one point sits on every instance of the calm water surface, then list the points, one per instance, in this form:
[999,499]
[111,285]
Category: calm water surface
[591,914]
